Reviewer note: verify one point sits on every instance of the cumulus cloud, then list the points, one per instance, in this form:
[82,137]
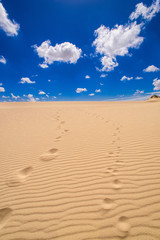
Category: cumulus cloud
[41,92]
[126,78]
[26,80]
[43,65]
[14,97]
[10,27]
[145,12]
[103,75]
[64,52]
[151,68]
[139,78]
[91,94]
[101,84]
[156,83]
[117,41]
[2,60]
[2,89]
[98,90]
[138,92]
[79,90]
[87,77]
[31,98]
[5,97]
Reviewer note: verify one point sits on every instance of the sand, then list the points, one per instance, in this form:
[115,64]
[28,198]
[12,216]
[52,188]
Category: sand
[80,170]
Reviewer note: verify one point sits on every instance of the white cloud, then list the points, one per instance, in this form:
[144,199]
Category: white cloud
[2,60]
[151,68]
[14,97]
[1,84]
[59,94]
[35,75]
[5,96]
[43,65]
[126,78]
[26,80]
[103,75]
[54,97]
[31,98]
[91,94]
[117,41]
[10,27]
[147,13]
[139,78]
[64,52]
[156,83]
[2,89]
[41,92]
[87,77]
[79,90]
[49,80]
[138,92]
[101,84]
[98,90]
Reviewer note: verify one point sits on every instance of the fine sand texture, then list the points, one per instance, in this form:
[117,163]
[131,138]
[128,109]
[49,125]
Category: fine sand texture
[80,171]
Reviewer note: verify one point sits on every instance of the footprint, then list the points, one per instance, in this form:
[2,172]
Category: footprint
[117,184]
[24,173]
[5,214]
[110,153]
[62,122]
[115,171]
[20,177]
[123,226]
[50,155]
[58,139]
[108,204]
[109,170]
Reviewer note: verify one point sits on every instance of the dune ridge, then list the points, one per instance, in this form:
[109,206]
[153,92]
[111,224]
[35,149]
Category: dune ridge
[80,170]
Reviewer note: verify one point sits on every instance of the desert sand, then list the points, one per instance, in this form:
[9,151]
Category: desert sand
[80,170]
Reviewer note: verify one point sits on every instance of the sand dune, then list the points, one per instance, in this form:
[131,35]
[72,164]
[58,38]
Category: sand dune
[80,170]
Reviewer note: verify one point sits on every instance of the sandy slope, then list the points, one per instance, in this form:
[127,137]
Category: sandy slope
[80,171]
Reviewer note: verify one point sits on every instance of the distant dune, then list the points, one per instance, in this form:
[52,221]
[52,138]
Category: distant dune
[154,97]
[80,170]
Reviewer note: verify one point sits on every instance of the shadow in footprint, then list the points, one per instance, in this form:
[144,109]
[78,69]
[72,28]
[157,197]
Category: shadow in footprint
[5,214]
[20,177]
[66,130]
[53,150]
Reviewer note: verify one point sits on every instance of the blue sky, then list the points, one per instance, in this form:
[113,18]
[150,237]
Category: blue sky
[76,50]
